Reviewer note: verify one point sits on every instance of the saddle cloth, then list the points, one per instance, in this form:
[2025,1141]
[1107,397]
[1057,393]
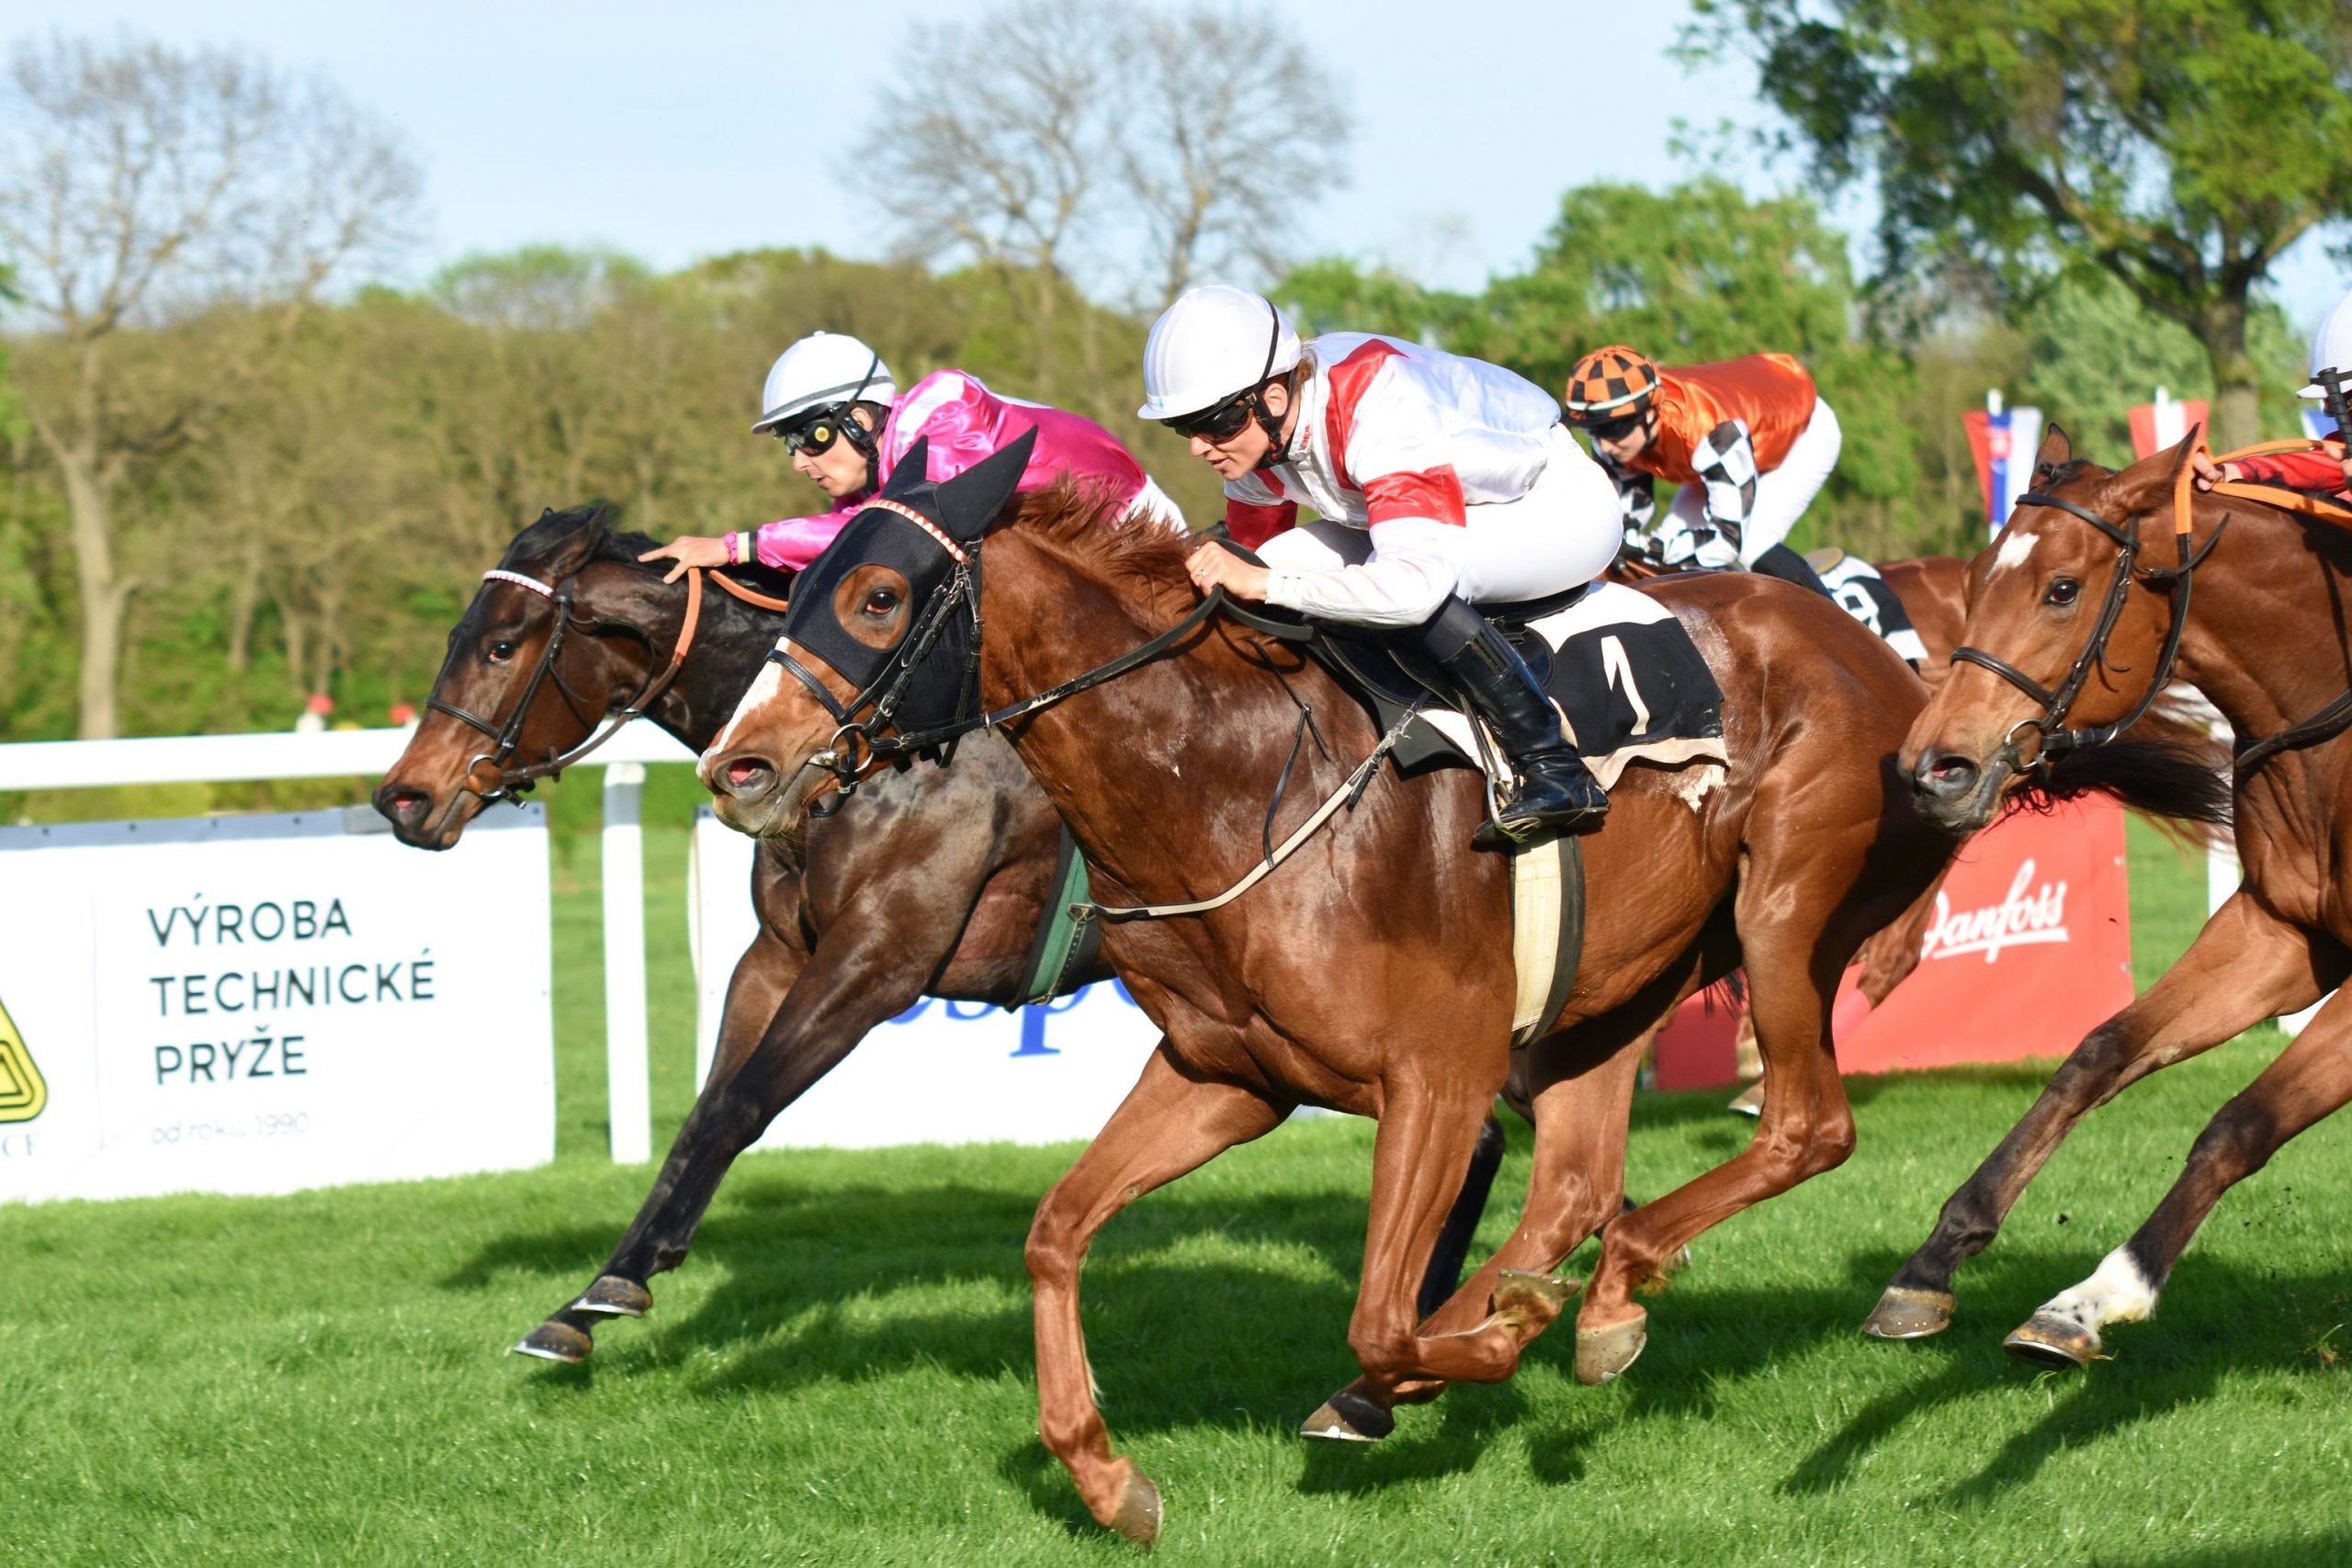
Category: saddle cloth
[1630,684]
[1862,594]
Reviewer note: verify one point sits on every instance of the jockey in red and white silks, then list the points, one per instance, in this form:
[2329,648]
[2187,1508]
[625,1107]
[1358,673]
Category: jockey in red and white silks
[1442,482]
[834,404]
[1433,475]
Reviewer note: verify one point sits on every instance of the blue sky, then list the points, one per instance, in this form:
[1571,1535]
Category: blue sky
[697,126]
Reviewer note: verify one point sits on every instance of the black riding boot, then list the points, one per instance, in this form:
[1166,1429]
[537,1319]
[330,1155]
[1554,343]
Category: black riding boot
[1556,794]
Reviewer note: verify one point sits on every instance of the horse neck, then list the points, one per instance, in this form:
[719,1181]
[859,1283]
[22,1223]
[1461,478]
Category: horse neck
[729,643]
[1177,754]
[2268,614]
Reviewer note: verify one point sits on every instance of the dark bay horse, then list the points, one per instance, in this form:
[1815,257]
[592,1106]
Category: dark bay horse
[2078,599]
[930,883]
[1372,972]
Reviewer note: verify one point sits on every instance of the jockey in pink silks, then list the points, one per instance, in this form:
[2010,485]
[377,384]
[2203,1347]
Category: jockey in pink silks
[833,403]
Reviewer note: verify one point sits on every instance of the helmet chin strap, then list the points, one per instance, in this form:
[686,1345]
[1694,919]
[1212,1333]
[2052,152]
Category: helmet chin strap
[1277,447]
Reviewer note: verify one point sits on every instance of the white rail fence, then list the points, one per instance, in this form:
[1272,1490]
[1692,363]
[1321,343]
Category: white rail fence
[236,759]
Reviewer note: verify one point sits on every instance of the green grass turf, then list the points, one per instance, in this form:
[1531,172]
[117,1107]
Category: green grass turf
[842,1373]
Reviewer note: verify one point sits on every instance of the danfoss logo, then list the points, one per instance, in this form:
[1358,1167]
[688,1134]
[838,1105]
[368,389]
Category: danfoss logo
[2019,920]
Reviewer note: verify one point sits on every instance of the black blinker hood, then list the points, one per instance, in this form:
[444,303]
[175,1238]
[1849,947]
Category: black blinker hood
[962,508]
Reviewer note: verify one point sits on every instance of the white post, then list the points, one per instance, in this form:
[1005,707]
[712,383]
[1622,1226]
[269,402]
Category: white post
[628,1068]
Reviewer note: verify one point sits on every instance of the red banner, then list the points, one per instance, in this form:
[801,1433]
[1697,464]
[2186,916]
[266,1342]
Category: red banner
[2031,948]
[2155,427]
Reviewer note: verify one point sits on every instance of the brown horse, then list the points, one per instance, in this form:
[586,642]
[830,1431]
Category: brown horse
[930,883]
[2070,618]
[1373,971]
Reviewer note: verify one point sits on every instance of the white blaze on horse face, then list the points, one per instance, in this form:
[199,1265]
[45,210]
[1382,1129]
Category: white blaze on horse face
[764,690]
[2116,1292]
[2015,545]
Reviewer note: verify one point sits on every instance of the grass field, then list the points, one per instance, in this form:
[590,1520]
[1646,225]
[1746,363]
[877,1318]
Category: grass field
[842,1372]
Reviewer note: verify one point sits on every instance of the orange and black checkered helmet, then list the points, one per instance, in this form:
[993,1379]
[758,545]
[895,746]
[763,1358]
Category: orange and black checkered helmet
[1610,383]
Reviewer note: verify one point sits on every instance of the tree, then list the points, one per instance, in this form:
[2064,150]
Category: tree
[993,148]
[140,185]
[2177,146]
[1238,122]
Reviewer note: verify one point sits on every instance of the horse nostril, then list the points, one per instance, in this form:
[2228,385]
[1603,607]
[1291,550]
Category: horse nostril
[403,808]
[748,775]
[1946,778]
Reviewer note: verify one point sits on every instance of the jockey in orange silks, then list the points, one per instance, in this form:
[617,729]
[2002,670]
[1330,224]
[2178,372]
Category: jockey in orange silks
[833,403]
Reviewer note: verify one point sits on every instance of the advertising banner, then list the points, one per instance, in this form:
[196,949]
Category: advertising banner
[940,1072]
[263,1004]
[2029,949]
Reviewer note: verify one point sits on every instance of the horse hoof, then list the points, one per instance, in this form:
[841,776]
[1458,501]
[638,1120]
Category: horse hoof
[1525,1300]
[554,1341]
[1137,1518]
[1907,1313]
[1603,1353]
[611,1296]
[1349,1417]
[2058,1343]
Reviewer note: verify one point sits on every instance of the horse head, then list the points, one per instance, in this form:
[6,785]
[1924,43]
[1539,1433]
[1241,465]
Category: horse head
[2070,612]
[882,639]
[531,669]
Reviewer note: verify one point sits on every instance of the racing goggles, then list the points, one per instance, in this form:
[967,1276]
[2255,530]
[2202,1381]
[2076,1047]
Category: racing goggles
[1219,424]
[816,436]
[1616,429]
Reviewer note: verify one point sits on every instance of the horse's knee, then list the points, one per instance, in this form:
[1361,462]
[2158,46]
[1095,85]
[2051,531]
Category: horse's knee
[2238,1142]
[1052,1250]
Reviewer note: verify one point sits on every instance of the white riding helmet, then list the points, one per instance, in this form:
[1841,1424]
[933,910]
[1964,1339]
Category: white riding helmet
[818,371]
[1215,341]
[2331,346]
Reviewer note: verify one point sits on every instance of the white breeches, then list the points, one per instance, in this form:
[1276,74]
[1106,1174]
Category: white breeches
[1562,532]
[1781,495]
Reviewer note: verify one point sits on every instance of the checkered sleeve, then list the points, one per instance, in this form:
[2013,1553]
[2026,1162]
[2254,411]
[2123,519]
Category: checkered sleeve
[1725,463]
[1636,494]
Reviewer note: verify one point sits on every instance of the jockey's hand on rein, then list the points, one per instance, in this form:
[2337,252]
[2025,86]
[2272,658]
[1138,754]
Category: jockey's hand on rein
[1213,564]
[688,550]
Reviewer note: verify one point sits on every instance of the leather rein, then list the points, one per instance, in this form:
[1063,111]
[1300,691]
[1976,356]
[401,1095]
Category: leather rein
[506,739]
[2054,738]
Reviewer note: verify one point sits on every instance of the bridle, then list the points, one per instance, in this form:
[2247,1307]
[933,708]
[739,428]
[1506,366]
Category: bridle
[859,746]
[2054,740]
[506,739]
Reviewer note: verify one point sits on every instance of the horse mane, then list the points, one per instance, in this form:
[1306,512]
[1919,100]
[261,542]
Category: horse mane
[555,533]
[1079,518]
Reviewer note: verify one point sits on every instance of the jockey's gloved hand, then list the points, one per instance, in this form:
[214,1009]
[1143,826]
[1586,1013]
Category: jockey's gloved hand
[1703,549]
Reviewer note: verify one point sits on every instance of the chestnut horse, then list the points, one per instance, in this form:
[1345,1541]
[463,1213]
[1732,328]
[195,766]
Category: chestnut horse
[931,887]
[2074,615]
[1373,971]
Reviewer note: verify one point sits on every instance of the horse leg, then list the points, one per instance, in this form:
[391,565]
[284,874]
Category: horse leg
[1444,1272]
[1424,1133]
[1169,1125]
[869,966]
[2248,964]
[764,976]
[1889,956]
[2311,1080]
[1804,1128]
[1579,1090]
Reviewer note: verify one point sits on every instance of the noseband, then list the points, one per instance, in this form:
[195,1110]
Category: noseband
[2056,740]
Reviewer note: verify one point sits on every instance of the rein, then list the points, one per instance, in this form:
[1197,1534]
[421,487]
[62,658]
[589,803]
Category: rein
[506,739]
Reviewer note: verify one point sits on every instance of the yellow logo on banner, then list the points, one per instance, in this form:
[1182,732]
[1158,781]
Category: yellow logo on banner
[22,1092]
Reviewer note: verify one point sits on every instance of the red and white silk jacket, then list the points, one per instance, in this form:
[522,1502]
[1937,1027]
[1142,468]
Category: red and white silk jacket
[1390,429]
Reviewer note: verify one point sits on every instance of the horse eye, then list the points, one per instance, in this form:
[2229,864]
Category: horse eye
[2061,593]
[501,651]
[881,602]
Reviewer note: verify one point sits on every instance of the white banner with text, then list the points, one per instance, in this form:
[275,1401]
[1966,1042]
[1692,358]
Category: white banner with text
[267,1003]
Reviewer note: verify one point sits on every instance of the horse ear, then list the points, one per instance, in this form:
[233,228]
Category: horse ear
[2147,485]
[912,470]
[2057,449]
[971,501]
